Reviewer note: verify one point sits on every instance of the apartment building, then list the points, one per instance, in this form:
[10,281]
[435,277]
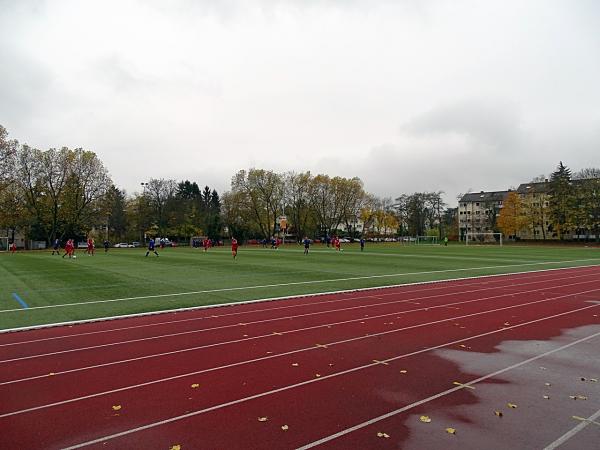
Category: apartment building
[478,211]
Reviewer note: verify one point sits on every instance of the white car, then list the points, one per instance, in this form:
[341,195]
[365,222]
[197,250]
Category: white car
[121,245]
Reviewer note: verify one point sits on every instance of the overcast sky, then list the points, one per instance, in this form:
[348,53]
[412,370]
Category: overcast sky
[407,95]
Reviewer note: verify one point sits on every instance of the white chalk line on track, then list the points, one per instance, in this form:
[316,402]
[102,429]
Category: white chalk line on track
[182,333]
[443,394]
[295,283]
[431,285]
[413,405]
[571,433]
[331,344]
[289,297]
[235,341]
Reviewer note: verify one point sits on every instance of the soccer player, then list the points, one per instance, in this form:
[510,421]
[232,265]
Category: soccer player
[90,246]
[306,245]
[13,248]
[362,244]
[106,245]
[446,241]
[234,247]
[337,243]
[151,247]
[206,244]
[56,247]
[69,248]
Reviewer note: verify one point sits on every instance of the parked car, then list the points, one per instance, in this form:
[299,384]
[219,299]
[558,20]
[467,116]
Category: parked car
[135,244]
[121,245]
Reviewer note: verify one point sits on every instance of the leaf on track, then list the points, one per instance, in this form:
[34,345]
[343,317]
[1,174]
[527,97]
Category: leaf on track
[383,435]
[51,374]
[404,371]
[263,419]
[594,380]
[318,375]
[425,419]
[116,407]
[581,397]
[547,384]
[176,447]
[285,427]
[547,397]
[195,386]
[511,405]
[498,413]
[451,430]
[295,364]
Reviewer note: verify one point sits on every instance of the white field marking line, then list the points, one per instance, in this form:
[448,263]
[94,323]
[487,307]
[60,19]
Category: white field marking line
[270,299]
[442,394]
[235,341]
[298,305]
[542,275]
[292,352]
[290,297]
[569,434]
[490,287]
[296,283]
[355,369]
[275,319]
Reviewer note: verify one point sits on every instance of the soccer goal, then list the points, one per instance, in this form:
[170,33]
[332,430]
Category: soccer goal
[3,243]
[473,238]
[428,240]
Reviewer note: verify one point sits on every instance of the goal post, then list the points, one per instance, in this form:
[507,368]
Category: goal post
[474,238]
[430,240]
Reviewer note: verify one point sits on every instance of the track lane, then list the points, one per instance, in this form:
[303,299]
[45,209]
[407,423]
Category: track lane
[353,348]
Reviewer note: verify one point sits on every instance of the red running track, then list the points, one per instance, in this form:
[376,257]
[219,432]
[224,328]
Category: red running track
[330,371]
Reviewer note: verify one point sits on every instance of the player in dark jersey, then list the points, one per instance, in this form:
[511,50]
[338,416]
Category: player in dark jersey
[56,247]
[306,242]
[151,247]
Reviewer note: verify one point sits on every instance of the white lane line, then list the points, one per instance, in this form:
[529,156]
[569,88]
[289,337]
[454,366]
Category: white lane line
[296,283]
[569,434]
[433,287]
[317,313]
[539,279]
[314,380]
[438,395]
[290,297]
[235,341]
[291,352]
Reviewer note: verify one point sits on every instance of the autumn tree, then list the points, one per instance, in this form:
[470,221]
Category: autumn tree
[512,218]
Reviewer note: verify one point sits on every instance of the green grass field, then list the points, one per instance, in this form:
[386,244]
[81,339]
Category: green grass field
[123,281]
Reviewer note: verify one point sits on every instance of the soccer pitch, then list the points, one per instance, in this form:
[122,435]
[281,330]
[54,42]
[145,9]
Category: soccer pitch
[38,288]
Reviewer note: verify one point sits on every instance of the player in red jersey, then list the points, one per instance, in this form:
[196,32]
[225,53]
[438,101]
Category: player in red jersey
[234,247]
[13,248]
[90,246]
[69,249]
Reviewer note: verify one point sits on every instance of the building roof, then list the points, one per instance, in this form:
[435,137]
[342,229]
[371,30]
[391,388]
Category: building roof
[494,196]
[541,188]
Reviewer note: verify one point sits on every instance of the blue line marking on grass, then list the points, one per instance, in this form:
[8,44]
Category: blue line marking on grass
[20,300]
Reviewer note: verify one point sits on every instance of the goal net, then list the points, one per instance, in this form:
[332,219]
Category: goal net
[3,243]
[473,238]
[430,240]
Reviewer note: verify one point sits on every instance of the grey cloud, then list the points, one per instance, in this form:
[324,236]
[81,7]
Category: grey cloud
[489,124]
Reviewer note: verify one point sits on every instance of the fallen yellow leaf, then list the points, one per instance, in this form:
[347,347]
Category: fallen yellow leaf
[317,375]
[403,371]
[383,435]
[116,407]
[498,413]
[285,427]
[176,447]
[547,397]
[295,364]
[450,430]
[594,380]
[425,419]
[51,374]
[263,419]
[195,385]
[547,384]
[582,397]
[511,405]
